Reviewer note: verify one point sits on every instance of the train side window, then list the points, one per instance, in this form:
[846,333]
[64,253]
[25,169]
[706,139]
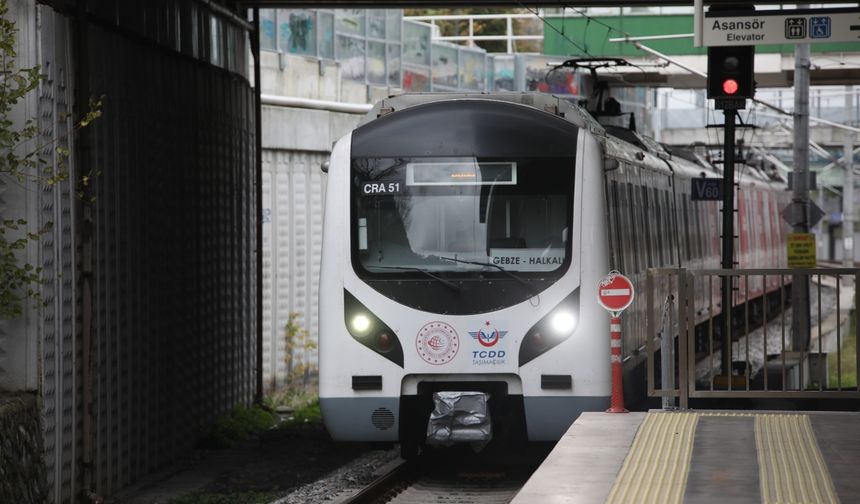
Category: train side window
[676,229]
[677,208]
[686,230]
[670,235]
[653,212]
[623,240]
[713,222]
[628,229]
[649,237]
[741,223]
[635,261]
[752,229]
[654,215]
[762,227]
[658,221]
[616,226]
[671,232]
[768,233]
[697,231]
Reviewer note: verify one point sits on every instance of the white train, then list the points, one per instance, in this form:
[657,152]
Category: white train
[464,238]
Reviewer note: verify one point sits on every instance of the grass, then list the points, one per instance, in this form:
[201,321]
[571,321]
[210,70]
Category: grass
[231,498]
[306,414]
[848,359]
[303,402]
[242,423]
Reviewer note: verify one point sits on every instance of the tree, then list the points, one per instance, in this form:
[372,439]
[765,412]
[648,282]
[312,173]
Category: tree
[20,280]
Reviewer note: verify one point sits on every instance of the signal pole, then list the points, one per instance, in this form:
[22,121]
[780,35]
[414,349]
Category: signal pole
[848,184]
[728,243]
[800,191]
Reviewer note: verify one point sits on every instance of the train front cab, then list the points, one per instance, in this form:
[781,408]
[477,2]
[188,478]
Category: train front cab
[377,371]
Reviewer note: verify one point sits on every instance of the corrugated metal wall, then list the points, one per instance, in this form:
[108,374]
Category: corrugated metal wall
[293,200]
[20,199]
[60,354]
[173,234]
[150,323]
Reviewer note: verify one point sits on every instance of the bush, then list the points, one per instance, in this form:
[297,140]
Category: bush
[239,425]
[307,414]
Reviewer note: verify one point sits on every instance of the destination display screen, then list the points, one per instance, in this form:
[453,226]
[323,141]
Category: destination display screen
[461,173]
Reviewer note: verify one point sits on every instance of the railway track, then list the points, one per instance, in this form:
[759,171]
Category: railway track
[441,478]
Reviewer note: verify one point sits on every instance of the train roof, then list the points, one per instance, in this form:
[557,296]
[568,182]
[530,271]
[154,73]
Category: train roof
[618,143]
[548,103]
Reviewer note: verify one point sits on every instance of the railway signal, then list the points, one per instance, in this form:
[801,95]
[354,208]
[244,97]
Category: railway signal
[731,72]
[731,80]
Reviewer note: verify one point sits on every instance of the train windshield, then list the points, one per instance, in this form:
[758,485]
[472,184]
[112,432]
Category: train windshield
[462,215]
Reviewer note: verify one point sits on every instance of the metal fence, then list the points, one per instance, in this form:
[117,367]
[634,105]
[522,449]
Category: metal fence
[768,358]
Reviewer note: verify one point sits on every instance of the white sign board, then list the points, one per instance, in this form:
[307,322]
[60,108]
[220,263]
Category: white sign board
[523,259]
[781,27]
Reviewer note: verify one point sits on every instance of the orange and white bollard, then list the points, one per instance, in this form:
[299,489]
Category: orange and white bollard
[617,402]
[615,293]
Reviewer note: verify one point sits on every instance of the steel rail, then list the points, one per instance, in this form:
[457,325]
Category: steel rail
[385,483]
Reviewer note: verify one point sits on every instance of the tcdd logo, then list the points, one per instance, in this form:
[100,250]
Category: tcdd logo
[488,335]
[488,354]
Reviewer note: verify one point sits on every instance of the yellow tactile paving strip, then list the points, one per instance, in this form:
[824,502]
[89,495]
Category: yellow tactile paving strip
[656,467]
[791,467]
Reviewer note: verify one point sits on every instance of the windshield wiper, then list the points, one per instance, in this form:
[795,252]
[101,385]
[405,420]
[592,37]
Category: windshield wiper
[447,283]
[499,267]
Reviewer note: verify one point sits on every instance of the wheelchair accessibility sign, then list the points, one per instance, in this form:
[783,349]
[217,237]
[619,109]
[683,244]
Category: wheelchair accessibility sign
[819,27]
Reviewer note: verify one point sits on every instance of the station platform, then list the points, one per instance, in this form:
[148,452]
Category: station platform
[696,457]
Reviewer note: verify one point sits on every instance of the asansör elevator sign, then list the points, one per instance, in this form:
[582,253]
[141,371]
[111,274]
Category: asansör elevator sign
[727,28]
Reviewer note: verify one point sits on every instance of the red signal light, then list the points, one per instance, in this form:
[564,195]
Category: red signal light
[730,86]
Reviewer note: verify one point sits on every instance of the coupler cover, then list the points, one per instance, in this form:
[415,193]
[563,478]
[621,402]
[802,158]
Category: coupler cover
[459,417]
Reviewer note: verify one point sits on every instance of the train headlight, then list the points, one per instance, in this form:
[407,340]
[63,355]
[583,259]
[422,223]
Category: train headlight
[360,323]
[555,327]
[369,330]
[563,322]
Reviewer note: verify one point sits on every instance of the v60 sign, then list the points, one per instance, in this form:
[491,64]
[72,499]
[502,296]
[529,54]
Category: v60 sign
[706,189]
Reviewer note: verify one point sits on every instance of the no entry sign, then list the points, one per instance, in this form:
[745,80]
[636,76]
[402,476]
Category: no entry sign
[615,292]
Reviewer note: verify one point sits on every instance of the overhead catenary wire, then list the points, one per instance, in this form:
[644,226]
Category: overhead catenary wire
[536,13]
[628,38]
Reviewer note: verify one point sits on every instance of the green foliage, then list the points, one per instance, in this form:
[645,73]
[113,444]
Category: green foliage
[242,423]
[19,281]
[231,498]
[309,413]
[299,343]
[848,360]
[293,398]
[301,395]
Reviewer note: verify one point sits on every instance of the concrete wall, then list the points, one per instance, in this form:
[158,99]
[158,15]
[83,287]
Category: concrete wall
[296,141]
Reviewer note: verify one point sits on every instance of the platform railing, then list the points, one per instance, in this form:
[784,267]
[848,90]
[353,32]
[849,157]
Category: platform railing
[769,359]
